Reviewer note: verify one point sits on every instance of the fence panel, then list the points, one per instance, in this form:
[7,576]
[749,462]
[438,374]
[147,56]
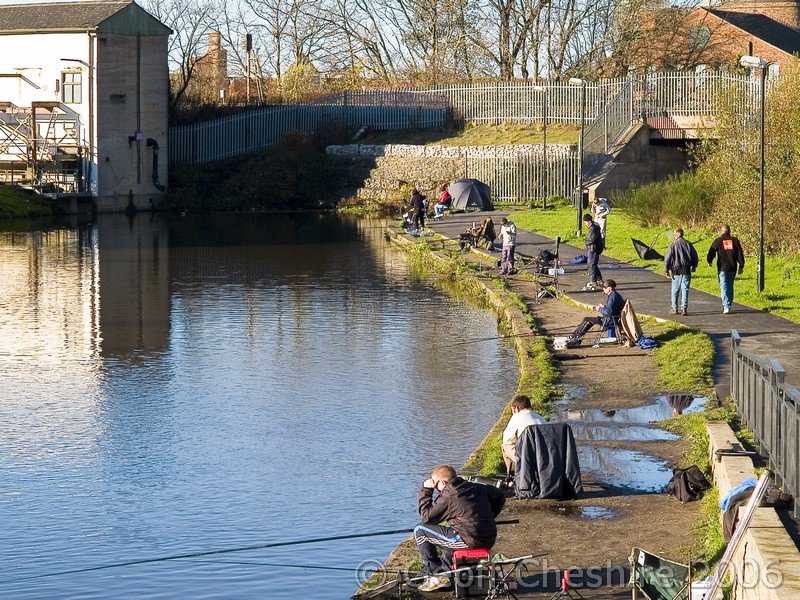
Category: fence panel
[770,409]
[612,105]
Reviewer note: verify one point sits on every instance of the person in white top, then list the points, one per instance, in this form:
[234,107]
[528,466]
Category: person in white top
[600,210]
[508,236]
[522,416]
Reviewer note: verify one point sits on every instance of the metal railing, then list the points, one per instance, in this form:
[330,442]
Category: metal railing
[613,106]
[770,408]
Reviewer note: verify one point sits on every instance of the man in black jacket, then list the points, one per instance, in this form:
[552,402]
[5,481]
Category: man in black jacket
[730,257]
[470,508]
[594,248]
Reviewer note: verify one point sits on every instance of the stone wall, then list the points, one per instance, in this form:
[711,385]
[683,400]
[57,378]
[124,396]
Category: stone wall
[767,564]
[401,167]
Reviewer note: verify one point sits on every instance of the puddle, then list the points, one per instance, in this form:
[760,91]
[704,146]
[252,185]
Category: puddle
[627,469]
[597,512]
[663,407]
[582,512]
[634,433]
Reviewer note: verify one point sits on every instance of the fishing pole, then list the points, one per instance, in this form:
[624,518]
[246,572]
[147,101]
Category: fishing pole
[144,561]
[500,337]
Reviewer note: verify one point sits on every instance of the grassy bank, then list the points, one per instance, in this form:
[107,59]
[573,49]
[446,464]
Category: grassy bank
[782,274]
[16,203]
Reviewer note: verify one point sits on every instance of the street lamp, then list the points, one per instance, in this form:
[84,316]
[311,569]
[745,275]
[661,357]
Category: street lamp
[545,179]
[754,62]
[579,203]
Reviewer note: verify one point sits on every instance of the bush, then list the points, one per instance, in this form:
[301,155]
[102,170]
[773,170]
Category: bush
[685,199]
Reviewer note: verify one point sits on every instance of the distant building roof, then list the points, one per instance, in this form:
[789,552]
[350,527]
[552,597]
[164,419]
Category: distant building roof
[769,30]
[118,16]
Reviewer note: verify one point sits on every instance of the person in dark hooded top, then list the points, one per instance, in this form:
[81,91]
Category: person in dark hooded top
[418,204]
[470,508]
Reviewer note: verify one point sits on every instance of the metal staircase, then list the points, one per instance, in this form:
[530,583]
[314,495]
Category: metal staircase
[41,147]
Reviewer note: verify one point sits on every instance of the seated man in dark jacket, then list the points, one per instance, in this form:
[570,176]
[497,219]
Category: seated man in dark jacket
[470,508]
[612,308]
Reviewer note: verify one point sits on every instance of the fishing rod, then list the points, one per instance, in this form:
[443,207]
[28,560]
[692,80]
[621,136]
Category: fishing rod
[487,339]
[144,561]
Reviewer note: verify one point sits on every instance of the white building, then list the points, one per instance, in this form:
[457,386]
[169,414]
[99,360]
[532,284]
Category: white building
[84,91]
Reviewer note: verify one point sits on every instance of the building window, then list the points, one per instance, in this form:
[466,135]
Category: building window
[71,87]
[699,37]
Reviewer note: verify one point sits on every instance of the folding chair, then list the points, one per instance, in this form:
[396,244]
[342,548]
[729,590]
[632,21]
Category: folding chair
[545,275]
[656,578]
[611,332]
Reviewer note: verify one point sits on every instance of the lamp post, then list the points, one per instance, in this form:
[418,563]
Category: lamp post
[545,179]
[579,203]
[754,62]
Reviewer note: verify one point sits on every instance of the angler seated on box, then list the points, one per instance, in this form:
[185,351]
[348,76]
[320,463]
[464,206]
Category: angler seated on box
[609,312]
[469,507]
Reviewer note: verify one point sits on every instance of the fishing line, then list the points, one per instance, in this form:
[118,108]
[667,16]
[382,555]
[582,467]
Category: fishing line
[262,564]
[144,561]
[500,337]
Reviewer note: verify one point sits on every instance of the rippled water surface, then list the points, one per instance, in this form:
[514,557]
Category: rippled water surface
[177,386]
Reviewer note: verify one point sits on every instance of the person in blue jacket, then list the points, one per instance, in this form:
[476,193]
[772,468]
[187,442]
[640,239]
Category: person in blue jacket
[612,308]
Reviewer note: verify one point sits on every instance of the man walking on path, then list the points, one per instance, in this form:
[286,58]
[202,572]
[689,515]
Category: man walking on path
[729,254]
[680,262]
[594,248]
[508,236]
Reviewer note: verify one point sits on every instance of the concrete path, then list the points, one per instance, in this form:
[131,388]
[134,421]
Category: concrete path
[764,334]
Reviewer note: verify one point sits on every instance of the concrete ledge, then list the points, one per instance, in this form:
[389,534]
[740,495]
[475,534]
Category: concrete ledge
[767,564]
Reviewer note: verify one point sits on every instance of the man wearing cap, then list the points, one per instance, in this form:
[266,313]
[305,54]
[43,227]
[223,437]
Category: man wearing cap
[608,311]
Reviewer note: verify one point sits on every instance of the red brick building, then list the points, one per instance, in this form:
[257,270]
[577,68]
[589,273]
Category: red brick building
[675,38]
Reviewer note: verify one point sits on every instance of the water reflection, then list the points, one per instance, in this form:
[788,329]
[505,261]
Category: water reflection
[175,385]
[626,469]
[662,408]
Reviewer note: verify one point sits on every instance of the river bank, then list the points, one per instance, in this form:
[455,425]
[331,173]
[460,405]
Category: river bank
[610,395]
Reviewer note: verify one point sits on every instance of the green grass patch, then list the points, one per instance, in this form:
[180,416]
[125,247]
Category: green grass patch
[781,276]
[684,358]
[477,135]
[17,202]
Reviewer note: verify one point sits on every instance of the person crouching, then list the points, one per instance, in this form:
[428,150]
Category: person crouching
[470,508]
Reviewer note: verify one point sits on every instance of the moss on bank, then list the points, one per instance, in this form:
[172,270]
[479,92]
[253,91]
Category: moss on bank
[16,202]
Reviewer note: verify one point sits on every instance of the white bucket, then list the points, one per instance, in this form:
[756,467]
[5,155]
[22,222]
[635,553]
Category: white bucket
[701,588]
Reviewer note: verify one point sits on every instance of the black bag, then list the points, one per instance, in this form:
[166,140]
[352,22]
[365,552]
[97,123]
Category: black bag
[545,257]
[687,484]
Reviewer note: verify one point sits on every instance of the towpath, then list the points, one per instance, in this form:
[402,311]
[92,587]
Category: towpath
[765,334]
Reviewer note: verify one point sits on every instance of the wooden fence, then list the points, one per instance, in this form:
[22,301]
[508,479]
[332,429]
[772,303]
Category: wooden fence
[770,408]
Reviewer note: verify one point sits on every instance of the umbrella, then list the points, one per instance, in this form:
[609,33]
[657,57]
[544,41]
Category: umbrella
[646,252]
[470,193]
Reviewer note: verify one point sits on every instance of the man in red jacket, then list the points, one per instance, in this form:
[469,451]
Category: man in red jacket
[470,508]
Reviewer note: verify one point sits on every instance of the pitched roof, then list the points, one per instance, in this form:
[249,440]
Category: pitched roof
[769,30]
[113,16]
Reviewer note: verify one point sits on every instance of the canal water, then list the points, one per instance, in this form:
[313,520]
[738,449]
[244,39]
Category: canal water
[179,385]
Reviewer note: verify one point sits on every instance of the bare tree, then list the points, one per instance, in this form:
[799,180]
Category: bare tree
[190,21]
